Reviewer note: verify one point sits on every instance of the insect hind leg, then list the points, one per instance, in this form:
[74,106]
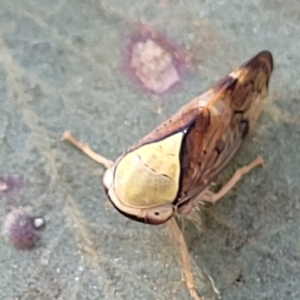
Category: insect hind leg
[209,196]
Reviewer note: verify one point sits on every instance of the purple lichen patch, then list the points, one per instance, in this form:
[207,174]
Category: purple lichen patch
[21,229]
[154,62]
[9,184]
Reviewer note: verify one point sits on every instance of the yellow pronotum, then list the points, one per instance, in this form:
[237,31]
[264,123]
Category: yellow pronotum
[155,166]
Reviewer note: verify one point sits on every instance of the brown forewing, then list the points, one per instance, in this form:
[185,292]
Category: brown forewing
[230,114]
[216,124]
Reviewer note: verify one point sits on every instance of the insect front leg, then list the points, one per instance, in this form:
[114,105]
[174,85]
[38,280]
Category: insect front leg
[67,136]
[178,236]
[208,196]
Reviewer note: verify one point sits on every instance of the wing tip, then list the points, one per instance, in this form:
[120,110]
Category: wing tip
[263,57]
[262,60]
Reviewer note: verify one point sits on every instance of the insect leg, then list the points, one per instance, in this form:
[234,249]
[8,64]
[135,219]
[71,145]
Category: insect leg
[67,136]
[208,196]
[178,236]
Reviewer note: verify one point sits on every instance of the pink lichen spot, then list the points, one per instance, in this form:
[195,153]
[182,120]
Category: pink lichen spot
[153,66]
[22,230]
[3,186]
[9,184]
[155,62]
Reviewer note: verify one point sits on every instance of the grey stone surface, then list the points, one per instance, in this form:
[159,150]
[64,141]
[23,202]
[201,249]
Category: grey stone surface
[61,68]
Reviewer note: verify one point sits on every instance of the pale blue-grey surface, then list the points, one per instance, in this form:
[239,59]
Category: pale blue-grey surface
[61,68]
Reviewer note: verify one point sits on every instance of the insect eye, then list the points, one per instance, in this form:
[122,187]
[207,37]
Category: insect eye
[159,214]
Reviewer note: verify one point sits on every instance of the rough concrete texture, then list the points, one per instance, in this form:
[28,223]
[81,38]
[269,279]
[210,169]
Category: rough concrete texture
[61,67]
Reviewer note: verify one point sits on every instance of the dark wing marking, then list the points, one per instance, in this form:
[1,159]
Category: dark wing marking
[226,113]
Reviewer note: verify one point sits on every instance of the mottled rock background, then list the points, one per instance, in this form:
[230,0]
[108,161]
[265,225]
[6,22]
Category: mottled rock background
[62,67]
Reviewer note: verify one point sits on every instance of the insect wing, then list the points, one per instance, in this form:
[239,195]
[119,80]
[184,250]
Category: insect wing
[227,112]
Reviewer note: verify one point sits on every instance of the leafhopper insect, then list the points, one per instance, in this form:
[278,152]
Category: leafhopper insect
[169,171]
